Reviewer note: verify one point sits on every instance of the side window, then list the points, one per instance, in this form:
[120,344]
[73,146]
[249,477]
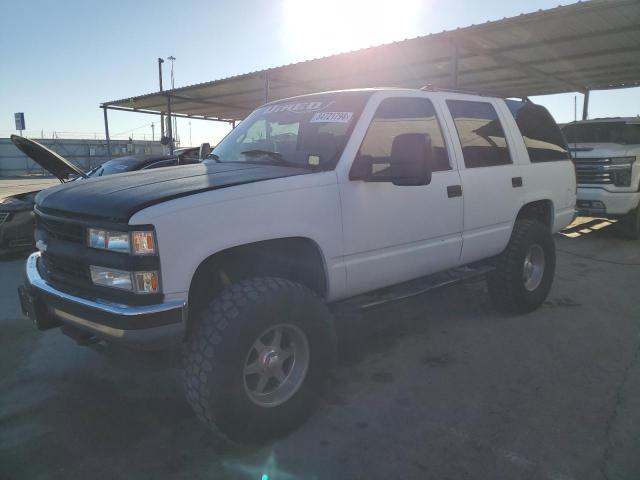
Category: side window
[542,137]
[396,116]
[481,135]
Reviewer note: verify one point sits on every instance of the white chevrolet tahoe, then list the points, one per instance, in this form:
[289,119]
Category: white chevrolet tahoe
[341,198]
[606,152]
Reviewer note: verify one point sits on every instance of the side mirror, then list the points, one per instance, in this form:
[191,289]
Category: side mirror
[411,159]
[205,150]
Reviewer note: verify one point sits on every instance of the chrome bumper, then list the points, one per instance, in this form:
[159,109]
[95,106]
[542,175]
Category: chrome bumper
[147,326]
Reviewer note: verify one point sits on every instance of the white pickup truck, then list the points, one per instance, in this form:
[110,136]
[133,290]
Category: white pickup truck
[606,152]
[351,197]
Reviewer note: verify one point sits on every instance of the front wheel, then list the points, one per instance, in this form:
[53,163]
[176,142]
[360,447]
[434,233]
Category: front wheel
[629,225]
[258,357]
[524,271]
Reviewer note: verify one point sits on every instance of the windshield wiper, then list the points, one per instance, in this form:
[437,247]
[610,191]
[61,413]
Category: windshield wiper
[279,159]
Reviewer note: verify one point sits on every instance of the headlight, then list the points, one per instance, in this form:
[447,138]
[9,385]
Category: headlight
[137,282]
[137,243]
[623,160]
[621,176]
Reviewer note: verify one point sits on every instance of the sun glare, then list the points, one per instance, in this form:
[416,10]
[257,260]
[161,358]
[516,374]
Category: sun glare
[319,28]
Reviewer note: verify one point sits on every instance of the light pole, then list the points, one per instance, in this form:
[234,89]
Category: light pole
[172,59]
[160,62]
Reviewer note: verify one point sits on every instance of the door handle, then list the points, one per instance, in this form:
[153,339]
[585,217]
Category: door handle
[516,182]
[454,191]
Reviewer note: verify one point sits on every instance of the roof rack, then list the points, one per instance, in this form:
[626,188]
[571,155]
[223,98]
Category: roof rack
[432,88]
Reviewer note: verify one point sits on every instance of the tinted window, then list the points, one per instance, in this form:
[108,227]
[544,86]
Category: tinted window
[603,132]
[115,166]
[542,137]
[481,135]
[397,116]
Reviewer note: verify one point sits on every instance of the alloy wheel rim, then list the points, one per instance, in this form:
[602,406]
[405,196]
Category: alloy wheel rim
[276,365]
[533,268]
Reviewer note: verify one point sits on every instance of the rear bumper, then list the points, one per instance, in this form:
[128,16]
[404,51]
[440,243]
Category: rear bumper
[146,327]
[598,201]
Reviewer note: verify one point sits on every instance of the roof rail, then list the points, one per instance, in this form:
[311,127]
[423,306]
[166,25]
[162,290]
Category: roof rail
[432,88]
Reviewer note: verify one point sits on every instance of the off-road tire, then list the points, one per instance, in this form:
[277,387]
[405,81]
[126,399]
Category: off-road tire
[506,283]
[629,226]
[216,349]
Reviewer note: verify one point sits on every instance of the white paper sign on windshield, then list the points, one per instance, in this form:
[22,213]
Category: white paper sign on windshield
[331,117]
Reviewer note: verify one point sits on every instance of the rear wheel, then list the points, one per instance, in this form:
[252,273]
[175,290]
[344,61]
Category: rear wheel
[258,357]
[524,271]
[629,225]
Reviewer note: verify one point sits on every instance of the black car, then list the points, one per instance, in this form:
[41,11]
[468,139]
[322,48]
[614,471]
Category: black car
[16,217]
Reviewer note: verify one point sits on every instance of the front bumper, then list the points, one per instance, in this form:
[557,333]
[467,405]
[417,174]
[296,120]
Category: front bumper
[16,231]
[593,201]
[147,327]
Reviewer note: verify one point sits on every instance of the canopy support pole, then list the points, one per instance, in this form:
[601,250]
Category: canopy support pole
[169,126]
[585,105]
[106,132]
[453,67]
[266,87]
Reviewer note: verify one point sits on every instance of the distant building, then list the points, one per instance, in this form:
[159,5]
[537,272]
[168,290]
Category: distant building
[85,153]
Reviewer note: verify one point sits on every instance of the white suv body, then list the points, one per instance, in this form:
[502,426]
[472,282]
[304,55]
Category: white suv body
[309,201]
[417,230]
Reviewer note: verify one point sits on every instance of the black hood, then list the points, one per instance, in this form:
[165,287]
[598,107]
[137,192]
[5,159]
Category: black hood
[58,166]
[117,197]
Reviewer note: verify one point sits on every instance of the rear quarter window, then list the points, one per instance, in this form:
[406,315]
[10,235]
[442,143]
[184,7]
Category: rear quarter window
[541,134]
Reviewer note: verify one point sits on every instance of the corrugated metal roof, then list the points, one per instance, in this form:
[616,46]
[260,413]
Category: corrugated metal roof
[585,46]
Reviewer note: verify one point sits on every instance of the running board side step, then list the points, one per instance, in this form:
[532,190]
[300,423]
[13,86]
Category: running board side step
[413,288]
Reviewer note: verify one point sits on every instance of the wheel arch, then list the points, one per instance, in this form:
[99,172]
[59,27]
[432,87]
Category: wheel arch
[540,210]
[299,259]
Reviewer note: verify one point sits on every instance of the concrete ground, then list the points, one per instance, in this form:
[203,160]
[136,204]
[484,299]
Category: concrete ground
[436,387]
[13,185]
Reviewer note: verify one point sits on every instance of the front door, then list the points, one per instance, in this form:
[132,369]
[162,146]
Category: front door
[397,233]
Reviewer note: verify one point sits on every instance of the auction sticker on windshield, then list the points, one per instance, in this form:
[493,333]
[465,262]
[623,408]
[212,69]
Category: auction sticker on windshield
[331,117]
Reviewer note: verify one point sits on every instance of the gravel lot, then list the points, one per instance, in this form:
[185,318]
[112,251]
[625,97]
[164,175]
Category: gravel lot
[439,386]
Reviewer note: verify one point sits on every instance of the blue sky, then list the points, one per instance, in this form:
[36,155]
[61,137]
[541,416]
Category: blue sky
[61,59]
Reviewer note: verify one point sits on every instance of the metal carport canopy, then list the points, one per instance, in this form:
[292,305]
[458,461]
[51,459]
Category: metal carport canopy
[580,47]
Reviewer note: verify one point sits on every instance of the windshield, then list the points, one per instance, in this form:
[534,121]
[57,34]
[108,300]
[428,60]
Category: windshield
[113,166]
[310,131]
[603,132]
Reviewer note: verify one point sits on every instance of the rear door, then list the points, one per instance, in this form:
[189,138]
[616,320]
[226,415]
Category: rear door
[491,182]
[396,233]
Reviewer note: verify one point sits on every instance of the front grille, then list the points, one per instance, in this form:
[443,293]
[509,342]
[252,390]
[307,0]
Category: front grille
[68,232]
[63,270]
[3,217]
[594,171]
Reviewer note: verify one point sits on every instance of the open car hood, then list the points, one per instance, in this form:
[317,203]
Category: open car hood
[58,166]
